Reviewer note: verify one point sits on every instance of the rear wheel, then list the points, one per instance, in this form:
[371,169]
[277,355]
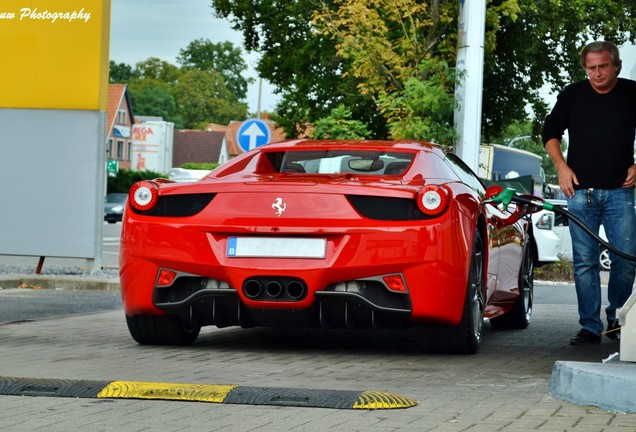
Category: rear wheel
[465,337]
[161,330]
[604,259]
[519,316]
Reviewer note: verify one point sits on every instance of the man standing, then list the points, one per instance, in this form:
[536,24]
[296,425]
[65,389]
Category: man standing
[598,178]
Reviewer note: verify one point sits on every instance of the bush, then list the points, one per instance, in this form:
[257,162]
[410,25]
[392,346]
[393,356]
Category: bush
[124,179]
[199,166]
[562,270]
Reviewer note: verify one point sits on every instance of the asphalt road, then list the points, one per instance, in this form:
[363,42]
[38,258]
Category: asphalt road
[23,304]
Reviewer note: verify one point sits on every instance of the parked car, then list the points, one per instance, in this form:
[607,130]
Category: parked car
[114,205]
[182,175]
[326,234]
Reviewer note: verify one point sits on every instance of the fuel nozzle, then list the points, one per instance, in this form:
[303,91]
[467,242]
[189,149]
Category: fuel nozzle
[531,203]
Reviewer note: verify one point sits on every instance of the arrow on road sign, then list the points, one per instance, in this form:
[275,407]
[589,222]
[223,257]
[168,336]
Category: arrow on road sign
[253,132]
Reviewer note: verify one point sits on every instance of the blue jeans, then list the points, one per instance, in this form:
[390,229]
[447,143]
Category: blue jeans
[614,209]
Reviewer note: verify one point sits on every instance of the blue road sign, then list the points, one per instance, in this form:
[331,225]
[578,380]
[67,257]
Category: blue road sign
[253,133]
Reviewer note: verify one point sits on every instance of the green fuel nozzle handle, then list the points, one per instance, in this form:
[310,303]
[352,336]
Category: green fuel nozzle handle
[508,195]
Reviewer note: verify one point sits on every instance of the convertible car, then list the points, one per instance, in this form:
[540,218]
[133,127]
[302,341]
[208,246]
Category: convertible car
[326,234]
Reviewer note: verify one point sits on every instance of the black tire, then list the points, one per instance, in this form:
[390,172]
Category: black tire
[521,313]
[161,330]
[465,337]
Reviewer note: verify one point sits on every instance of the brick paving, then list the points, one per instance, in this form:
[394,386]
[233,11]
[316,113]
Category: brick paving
[504,387]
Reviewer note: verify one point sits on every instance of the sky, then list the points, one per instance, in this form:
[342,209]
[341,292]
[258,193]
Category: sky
[141,29]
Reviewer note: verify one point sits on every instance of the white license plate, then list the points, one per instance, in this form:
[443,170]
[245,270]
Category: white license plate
[276,247]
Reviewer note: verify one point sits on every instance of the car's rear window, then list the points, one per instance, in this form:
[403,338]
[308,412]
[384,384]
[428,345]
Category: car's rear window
[361,162]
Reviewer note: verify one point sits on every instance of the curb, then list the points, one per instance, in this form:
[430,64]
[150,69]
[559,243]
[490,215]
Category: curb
[609,386]
[59,282]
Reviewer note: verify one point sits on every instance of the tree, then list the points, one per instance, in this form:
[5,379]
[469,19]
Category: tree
[189,97]
[300,62]
[154,68]
[220,57]
[202,98]
[338,125]
[538,48]
[120,72]
[529,44]
[423,109]
[154,98]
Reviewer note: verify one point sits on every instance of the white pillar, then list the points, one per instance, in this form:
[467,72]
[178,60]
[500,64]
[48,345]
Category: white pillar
[470,63]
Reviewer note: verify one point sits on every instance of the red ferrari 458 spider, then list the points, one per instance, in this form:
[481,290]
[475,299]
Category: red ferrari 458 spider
[331,234]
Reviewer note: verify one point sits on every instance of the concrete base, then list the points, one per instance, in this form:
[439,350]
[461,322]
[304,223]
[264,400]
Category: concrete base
[627,320]
[609,386]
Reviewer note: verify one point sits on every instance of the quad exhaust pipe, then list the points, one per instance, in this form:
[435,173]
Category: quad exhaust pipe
[274,289]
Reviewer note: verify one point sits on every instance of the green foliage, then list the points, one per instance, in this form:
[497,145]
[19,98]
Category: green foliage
[301,62]
[220,57]
[561,270]
[193,95]
[208,166]
[120,72]
[321,54]
[154,98]
[423,110]
[157,70]
[124,179]
[539,47]
[338,125]
[202,97]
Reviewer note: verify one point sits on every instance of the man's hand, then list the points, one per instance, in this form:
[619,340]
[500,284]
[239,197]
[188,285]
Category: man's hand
[630,180]
[567,179]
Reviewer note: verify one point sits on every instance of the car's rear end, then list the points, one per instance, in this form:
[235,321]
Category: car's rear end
[256,245]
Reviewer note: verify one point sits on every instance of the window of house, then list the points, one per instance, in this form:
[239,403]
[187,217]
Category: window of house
[120,149]
[109,149]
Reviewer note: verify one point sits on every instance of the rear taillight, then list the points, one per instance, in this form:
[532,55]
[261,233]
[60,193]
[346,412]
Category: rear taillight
[143,195]
[432,200]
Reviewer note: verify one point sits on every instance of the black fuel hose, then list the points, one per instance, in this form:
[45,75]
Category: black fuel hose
[535,203]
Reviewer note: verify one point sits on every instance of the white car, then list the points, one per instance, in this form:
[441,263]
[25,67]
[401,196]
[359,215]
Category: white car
[562,230]
[546,241]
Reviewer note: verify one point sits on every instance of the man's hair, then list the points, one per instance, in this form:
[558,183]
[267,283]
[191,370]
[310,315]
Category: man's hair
[600,46]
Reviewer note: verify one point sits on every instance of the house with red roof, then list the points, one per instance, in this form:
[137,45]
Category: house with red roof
[199,147]
[119,123]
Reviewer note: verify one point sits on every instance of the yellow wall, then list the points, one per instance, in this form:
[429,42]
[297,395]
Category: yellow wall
[54,54]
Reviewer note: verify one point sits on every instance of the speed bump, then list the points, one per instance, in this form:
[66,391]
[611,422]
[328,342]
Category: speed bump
[211,393]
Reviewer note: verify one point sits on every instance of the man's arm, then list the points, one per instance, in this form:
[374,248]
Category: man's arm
[567,178]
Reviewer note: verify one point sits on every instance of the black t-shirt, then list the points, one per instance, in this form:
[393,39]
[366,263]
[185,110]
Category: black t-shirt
[601,129]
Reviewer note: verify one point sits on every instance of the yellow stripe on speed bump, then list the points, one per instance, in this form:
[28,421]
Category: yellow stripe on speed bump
[213,393]
[382,400]
[168,391]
